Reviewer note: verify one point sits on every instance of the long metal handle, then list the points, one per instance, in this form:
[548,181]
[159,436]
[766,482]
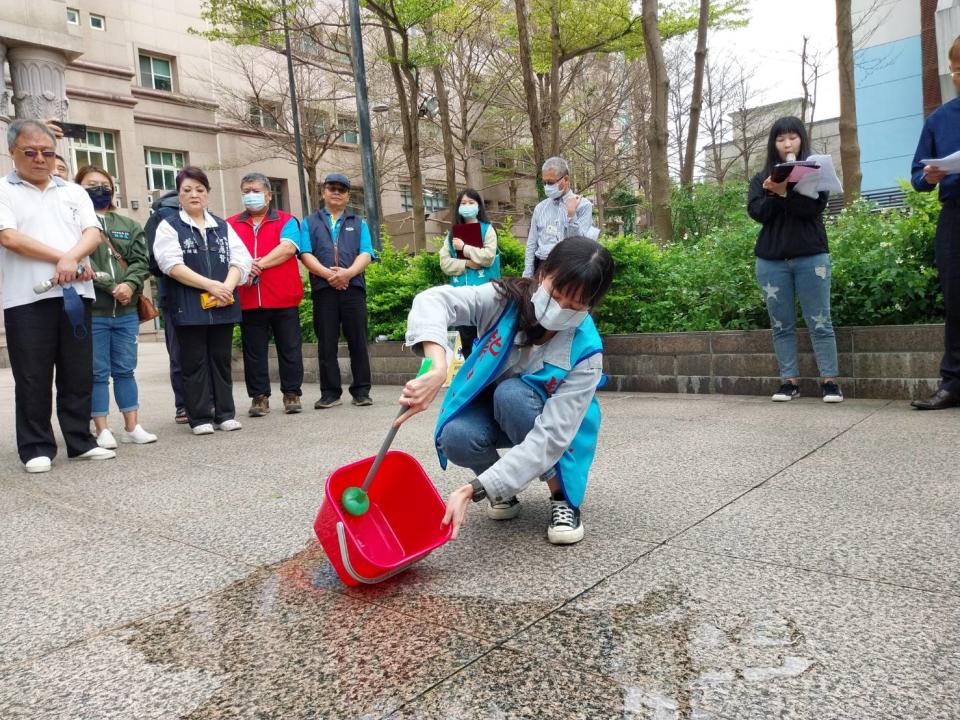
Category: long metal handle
[388,440]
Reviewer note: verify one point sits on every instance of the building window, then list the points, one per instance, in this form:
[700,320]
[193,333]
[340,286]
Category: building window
[73,16]
[264,115]
[348,126]
[278,189]
[98,22]
[433,200]
[99,150]
[156,72]
[162,168]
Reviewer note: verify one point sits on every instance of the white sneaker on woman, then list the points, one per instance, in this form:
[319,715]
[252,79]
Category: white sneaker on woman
[138,436]
[205,429]
[228,425]
[106,439]
[97,453]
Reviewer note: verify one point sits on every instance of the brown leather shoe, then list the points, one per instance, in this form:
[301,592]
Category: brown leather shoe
[260,406]
[291,403]
[940,400]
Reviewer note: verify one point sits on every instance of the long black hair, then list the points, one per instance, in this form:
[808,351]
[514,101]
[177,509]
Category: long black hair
[784,125]
[473,195]
[578,267]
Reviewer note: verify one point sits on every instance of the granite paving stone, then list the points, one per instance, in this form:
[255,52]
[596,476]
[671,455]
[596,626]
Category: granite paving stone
[743,559]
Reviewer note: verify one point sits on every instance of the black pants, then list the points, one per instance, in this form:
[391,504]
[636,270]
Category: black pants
[948,263]
[468,335]
[173,350]
[40,339]
[205,365]
[257,325]
[333,310]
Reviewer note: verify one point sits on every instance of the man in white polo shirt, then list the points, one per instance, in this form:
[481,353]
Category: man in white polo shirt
[48,228]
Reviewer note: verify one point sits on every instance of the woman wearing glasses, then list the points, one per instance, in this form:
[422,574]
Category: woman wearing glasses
[205,260]
[116,323]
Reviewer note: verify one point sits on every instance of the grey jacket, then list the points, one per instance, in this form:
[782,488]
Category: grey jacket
[438,308]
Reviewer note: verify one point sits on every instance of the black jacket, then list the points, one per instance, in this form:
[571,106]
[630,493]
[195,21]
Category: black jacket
[792,226]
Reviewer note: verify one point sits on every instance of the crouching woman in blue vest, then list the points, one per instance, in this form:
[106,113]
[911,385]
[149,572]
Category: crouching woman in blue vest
[529,387]
[202,255]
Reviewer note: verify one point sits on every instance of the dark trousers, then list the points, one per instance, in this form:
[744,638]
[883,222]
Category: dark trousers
[40,339]
[333,310]
[948,263]
[467,337]
[205,364]
[257,326]
[173,350]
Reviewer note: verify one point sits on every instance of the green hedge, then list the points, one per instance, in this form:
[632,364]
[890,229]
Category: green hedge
[883,270]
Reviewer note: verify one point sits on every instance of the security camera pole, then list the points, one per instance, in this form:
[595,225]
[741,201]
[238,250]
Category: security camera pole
[370,192]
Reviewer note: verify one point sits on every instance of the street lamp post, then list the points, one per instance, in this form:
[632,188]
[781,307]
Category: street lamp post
[371,192]
[295,111]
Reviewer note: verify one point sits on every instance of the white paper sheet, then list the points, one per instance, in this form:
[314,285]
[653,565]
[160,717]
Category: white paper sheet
[949,164]
[823,180]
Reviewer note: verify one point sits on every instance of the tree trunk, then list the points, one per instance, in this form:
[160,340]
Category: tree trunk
[657,130]
[411,137]
[313,187]
[849,141]
[554,78]
[696,98]
[529,83]
[446,131]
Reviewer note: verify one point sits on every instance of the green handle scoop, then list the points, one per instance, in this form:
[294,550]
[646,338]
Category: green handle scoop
[354,499]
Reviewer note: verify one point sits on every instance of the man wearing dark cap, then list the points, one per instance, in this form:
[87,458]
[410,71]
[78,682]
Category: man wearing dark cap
[336,248]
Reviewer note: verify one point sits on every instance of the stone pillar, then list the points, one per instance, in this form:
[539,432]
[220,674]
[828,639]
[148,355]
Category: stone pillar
[39,82]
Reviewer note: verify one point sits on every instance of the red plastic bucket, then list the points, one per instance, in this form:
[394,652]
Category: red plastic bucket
[401,526]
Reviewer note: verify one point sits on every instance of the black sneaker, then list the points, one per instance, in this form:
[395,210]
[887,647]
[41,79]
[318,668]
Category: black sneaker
[327,402]
[788,391]
[504,510]
[362,401]
[830,392]
[565,527]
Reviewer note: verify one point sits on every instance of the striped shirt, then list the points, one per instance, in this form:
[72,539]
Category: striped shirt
[550,224]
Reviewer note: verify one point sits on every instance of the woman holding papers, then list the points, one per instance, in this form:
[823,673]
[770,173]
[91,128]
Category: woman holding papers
[470,255]
[529,387]
[793,262]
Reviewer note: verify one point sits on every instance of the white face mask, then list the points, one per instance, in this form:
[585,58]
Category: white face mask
[553,317]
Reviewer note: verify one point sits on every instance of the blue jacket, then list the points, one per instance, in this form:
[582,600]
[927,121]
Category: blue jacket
[209,256]
[341,253]
[485,365]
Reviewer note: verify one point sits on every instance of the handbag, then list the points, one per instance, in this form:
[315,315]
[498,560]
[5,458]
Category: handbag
[146,310]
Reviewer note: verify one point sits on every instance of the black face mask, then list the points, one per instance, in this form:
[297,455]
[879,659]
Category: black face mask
[101,197]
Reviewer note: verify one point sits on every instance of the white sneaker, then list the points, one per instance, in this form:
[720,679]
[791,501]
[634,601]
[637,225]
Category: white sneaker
[138,436]
[205,429]
[506,510]
[228,425]
[106,439]
[97,453]
[38,464]
[565,526]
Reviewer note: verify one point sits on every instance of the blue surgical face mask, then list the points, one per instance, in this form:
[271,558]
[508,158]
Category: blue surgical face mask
[552,190]
[468,212]
[254,200]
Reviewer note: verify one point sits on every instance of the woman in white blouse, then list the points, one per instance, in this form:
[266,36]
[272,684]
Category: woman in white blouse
[205,260]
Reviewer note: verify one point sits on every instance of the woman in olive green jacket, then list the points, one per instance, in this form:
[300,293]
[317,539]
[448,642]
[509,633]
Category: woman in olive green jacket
[116,323]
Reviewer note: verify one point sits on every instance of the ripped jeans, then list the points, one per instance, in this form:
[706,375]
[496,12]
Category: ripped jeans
[782,281]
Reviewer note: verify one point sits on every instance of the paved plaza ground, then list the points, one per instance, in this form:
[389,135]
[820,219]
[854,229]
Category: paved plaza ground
[743,559]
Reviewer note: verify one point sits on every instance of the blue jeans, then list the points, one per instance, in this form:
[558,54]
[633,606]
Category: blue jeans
[498,418]
[114,353]
[806,278]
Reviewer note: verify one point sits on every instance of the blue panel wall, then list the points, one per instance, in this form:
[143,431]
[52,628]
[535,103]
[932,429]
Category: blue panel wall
[889,110]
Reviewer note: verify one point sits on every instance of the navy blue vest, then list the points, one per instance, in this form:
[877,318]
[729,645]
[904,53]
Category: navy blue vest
[347,246]
[209,256]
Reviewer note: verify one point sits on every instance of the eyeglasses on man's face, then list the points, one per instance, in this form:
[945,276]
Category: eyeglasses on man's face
[33,152]
[339,189]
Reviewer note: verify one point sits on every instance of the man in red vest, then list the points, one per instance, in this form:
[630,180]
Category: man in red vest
[271,298]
